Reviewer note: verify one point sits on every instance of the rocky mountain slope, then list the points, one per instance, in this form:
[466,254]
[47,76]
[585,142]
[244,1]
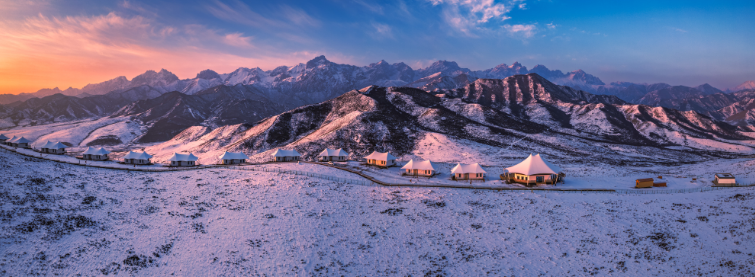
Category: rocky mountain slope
[220,105]
[173,112]
[522,113]
[62,108]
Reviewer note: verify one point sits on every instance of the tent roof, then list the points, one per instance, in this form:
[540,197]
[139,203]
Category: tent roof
[333,152]
[12,138]
[46,145]
[137,155]
[96,151]
[467,168]
[380,156]
[183,158]
[423,165]
[3,136]
[285,153]
[233,156]
[534,165]
[56,145]
[21,140]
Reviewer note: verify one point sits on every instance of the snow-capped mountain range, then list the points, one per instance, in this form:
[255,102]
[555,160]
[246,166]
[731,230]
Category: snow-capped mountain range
[317,80]
[518,114]
[208,114]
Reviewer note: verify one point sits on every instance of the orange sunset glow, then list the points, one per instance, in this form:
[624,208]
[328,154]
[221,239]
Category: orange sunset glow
[72,51]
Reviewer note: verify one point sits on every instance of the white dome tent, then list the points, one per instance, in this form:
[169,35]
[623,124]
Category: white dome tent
[333,155]
[281,155]
[423,168]
[380,159]
[95,154]
[20,142]
[183,160]
[534,170]
[137,158]
[233,158]
[468,172]
[54,148]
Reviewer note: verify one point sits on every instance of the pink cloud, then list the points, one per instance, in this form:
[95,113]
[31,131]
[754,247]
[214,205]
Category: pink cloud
[470,16]
[237,39]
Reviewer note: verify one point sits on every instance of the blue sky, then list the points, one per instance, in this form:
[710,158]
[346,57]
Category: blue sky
[677,42]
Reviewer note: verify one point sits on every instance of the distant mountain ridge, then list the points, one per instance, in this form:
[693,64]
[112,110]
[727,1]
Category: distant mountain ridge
[320,79]
[748,85]
[316,80]
[220,105]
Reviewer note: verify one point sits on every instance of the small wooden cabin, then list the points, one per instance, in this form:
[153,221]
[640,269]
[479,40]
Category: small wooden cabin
[644,183]
[724,179]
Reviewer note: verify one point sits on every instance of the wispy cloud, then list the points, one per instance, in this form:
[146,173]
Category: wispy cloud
[524,31]
[678,29]
[383,30]
[241,13]
[551,26]
[472,16]
[375,8]
[237,39]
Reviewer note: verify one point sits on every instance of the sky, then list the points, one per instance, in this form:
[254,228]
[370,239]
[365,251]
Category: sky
[55,43]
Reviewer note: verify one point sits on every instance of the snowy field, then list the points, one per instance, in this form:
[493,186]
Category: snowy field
[584,176]
[67,220]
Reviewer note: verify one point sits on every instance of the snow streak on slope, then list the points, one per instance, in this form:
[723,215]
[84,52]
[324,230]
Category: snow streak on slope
[75,135]
[68,220]
[122,132]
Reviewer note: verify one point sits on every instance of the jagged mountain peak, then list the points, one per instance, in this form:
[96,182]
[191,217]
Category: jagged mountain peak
[745,85]
[279,70]
[319,60]
[208,74]
[580,75]
[150,77]
[707,89]
[444,64]
[381,63]
[515,92]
